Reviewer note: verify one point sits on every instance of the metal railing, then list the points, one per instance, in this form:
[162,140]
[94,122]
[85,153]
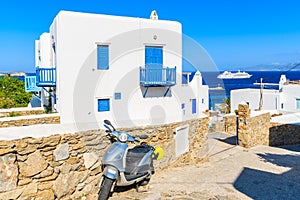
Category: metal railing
[46,77]
[154,76]
[30,84]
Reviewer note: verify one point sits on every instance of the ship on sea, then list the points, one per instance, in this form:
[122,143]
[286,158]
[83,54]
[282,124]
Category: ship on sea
[234,75]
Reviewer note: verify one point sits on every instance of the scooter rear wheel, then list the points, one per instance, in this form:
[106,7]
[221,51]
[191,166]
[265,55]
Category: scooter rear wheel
[105,188]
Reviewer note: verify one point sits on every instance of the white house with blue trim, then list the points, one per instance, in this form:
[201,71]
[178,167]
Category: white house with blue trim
[125,69]
[284,100]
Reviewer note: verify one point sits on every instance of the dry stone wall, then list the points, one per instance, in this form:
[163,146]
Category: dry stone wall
[284,134]
[27,121]
[254,130]
[68,166]
[20,112]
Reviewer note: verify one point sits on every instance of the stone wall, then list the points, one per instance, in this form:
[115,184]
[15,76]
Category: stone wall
[29,120]
[21,112]
[68,166]
[252,130]
[284,134]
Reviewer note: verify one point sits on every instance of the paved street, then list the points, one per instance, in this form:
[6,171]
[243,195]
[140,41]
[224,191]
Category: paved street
[233,173]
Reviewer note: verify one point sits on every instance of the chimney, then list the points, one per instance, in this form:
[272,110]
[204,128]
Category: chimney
[154,15]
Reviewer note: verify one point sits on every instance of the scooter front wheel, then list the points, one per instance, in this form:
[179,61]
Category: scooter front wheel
[105,188]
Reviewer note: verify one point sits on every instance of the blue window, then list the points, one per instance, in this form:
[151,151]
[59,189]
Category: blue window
[103,105]
[297,103]
[154,63]
[194,106]
[118,95]
[154,55]
[102,57]
[184,78]
[182,106]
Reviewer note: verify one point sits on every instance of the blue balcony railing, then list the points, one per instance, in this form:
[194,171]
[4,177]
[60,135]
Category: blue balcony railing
[30,84]
[157,76]
[45,77]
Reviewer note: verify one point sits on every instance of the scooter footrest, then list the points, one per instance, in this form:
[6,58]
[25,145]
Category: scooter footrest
[130,177]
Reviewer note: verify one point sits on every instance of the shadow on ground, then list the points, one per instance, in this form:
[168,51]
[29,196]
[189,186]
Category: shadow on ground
[229,140]
[264,185]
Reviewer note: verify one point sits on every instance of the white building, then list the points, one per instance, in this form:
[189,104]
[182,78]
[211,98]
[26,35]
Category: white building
[285,99]
[125,69]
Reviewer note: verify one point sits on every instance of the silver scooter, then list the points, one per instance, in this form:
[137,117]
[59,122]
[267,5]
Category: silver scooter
[124,166]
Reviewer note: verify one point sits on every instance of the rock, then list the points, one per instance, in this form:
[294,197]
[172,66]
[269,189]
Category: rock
[45,186]
[21,158]
[90,159]
[49,178]
[24,181]
[6,151]
[65,168]
[48,172]
[46,194]
[77,146]
[73,160]
[30,190]
[153,197]
[34,164]
[61,186]
[14,194]
[61,152]
[29,149]
[8,172]
[50,141]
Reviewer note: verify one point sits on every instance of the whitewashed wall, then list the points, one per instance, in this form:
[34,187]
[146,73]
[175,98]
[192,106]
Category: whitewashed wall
[289,95]
[252,96]
[80,83]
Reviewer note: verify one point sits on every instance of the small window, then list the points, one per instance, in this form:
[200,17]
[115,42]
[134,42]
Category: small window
[103,105]
[118,95]
[102,57]
[282,105]
[184,78]
[203,101]
[297,103]
[182,106]
[194,106]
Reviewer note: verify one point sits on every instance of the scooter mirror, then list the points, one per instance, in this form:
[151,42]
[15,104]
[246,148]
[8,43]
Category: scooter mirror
[107,122]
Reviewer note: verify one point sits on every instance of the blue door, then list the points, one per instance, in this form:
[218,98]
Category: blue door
[194,106]
[154,63]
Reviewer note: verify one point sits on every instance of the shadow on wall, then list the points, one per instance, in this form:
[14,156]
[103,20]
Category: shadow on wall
[258,184]
[284,134]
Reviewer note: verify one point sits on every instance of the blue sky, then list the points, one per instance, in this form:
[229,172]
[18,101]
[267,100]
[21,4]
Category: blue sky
[236,33]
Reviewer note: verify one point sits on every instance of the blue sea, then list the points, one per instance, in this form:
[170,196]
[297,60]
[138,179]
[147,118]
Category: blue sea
[218,96]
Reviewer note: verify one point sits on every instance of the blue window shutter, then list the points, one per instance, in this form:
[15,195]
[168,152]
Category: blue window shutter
[153,55]
[103,105]
[184,79]
[154,63]
[102,57]
[297,103]
[194,106]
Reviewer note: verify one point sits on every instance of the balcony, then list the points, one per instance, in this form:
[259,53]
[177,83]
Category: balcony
[45,77]
[30,84]
[155,76]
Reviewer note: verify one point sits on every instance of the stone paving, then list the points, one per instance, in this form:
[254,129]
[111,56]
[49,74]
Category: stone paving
[232,173]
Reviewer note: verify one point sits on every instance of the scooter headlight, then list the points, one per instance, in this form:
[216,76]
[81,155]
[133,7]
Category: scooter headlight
[123,137]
